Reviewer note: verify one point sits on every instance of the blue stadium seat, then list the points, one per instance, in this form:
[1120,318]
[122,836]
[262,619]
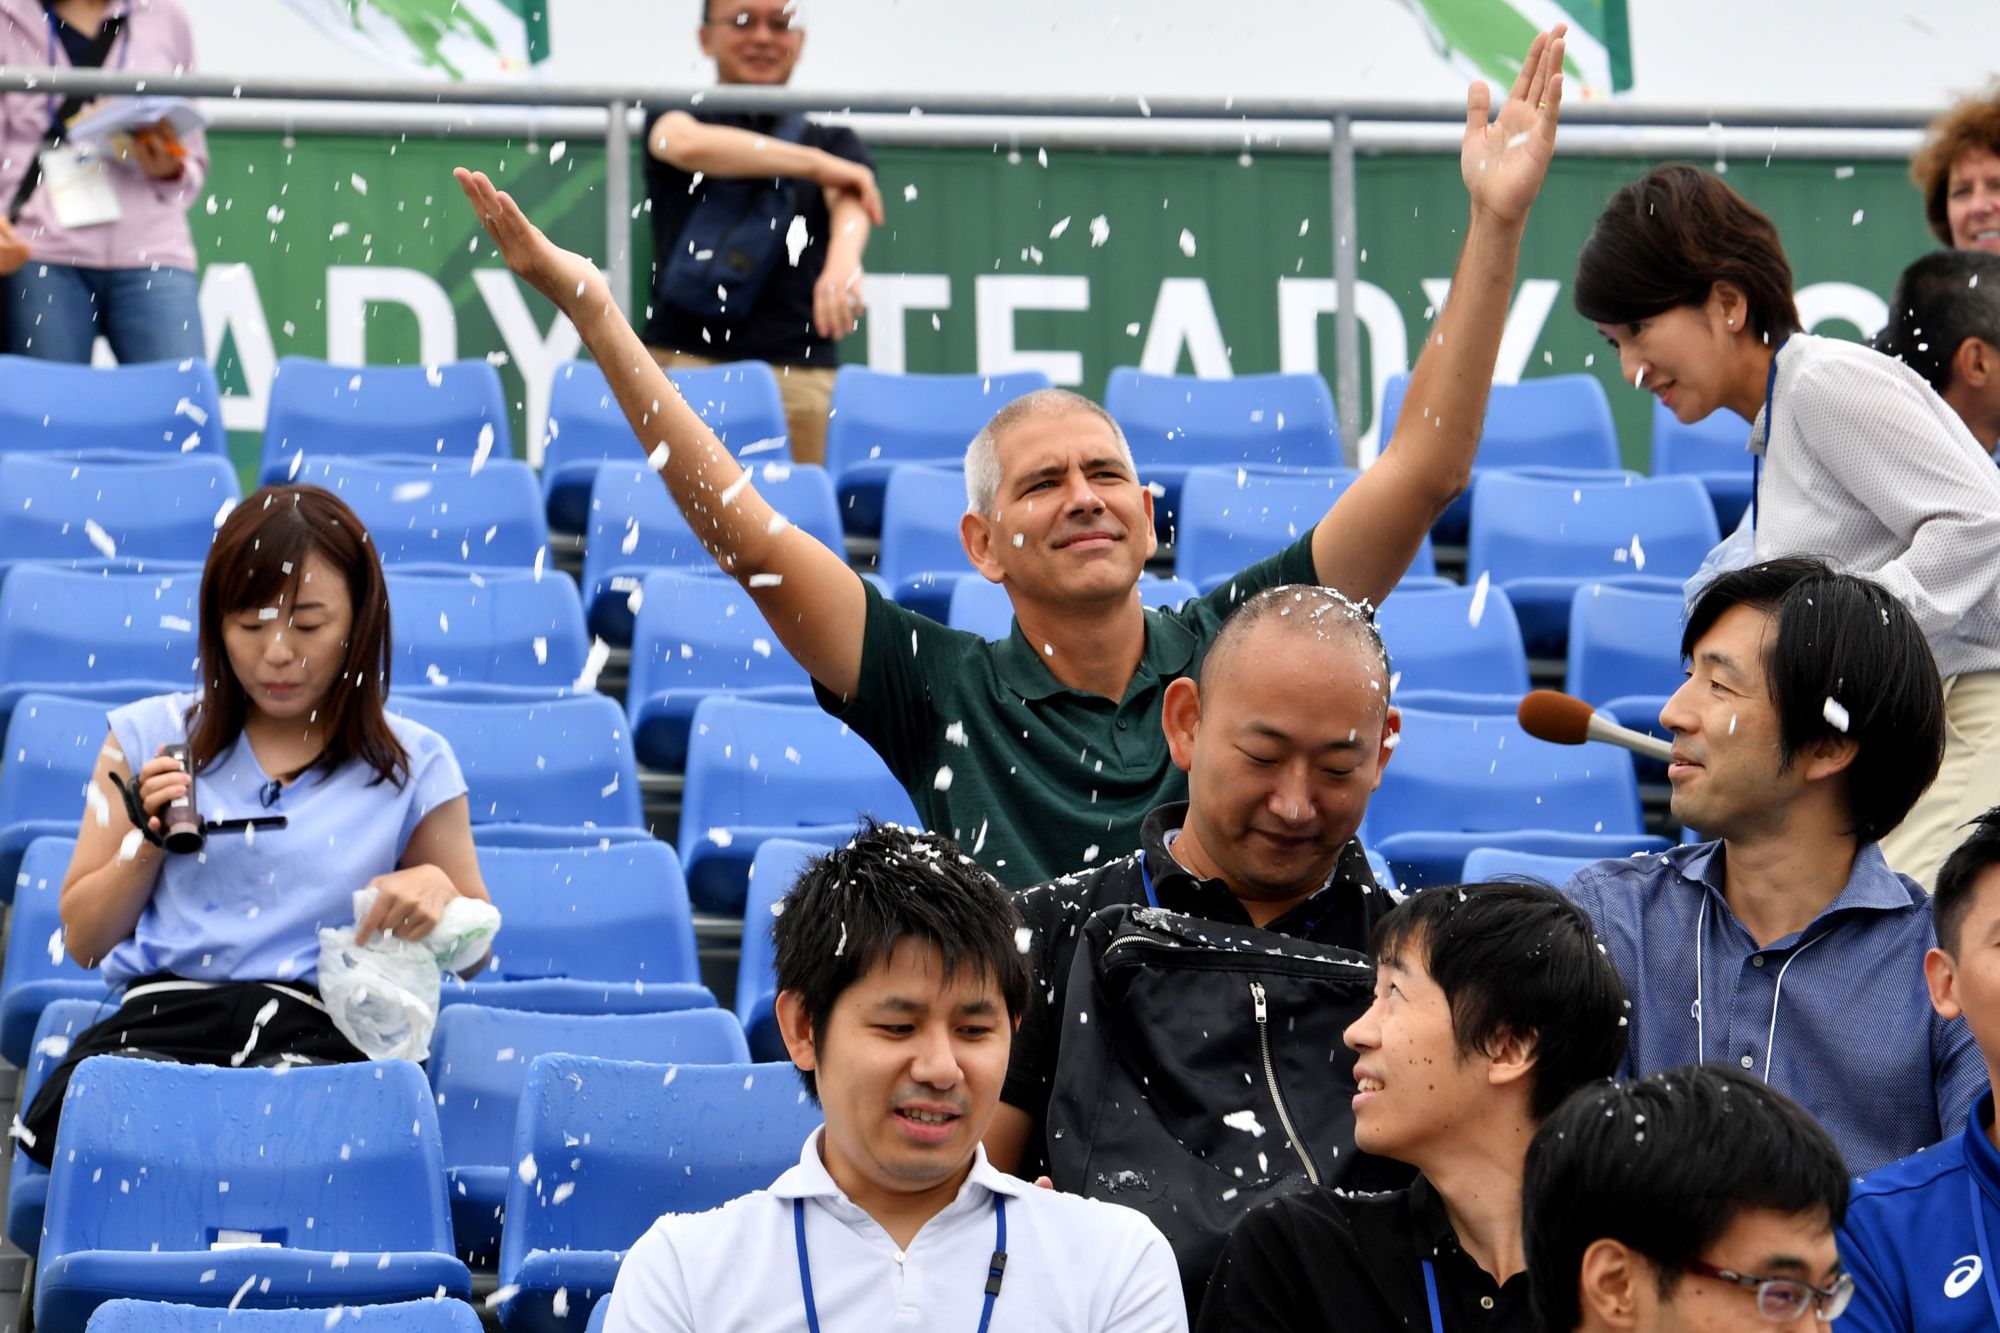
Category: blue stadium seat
[1230,518]
[479,1064]
[922,557]
[598,1314]
[773,871]
[153,1160]
[739,401]
[589,930]
[696,635]
[1715,450]
[983,608]
[425,1316]
[1484,863]
[90,512]
[1558,425]
[552,773]
[494,635]
[1542,539]
[51,751]
[615,1145]
[441,513]
[1443,661]
[39,969]
[96,634]
[425,413]
[760,770]
[27,1180]
[1178,422]
[880,421]
[635,528]
[1625,653]
[1460,781]
[157,408]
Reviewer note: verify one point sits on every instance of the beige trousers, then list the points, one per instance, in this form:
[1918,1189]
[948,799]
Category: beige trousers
[1968,783]
[807,393]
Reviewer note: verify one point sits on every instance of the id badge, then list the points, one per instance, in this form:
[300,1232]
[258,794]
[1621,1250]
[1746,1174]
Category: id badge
[79,185]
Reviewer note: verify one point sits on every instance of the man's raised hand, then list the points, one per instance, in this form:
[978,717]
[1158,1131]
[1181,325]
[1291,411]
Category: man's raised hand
[566,278]
[1505,162]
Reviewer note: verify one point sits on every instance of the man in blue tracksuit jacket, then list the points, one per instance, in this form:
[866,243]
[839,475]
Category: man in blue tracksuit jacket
[1919,1235]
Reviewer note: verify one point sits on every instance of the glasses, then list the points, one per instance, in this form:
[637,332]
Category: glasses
[777,25]
[1783,1299]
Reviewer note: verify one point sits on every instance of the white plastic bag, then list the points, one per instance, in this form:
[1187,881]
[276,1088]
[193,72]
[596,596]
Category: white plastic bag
[383,995]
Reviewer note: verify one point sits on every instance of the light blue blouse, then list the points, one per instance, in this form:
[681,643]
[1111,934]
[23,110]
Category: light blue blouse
[249,906]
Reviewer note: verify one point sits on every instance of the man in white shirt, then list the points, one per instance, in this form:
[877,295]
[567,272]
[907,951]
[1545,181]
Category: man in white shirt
[900,981]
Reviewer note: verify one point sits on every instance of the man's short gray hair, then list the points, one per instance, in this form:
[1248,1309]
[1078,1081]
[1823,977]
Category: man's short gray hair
[982,456]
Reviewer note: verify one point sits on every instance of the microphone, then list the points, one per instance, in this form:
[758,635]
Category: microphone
[1567,720]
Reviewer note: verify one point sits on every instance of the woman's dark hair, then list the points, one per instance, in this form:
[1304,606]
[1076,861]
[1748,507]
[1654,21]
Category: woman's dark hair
[1838,637]
[1516,959]
[1664,1165]
[1960,874]
[1971,122]
[1941,300]
[257,561]
[852,907]
[1666,239]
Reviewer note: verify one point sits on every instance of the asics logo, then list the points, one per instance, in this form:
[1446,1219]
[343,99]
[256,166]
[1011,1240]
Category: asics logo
[1964,1275]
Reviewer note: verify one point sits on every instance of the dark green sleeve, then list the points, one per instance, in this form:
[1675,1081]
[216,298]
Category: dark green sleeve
[907,661]
[1294,564]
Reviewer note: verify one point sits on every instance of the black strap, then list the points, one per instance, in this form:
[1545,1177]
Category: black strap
[100,50]
[136,812]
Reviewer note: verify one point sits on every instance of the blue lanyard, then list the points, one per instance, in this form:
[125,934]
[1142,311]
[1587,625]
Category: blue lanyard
[995,1269]
[1979,1233]
[1431,1295]
[1770,423]
[1146,878]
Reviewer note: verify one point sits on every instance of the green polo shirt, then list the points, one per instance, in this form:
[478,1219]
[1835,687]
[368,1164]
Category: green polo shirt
[1031,777]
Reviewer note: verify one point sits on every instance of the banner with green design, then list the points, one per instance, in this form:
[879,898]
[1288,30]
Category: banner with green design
[455,39]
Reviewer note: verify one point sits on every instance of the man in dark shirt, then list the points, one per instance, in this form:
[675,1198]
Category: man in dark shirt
[813,296]
[1492,1004]
[1282,740]
[1944,323]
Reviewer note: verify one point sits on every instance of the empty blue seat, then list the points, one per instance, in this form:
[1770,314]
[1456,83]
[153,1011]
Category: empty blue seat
[922,556]
[880,421]
[85,512]
[589,930]
[1715,450]
[696,635]
[1178,422]
[28,1180]
[739,401]
[441,513]
[51,751]
[96,634]
[39,969]
[424,413]
[773,872]
[551,773]
[1542,539]
[153,407]
[479,1064]
[1556,424]
[1625,651]
[983,608]
[760,770]
[155,1160]
[1445,660]
[1230,518]
[425,1316]
[1460,781]
[1484,863]
[615,1145]
[635,527]
[494,634]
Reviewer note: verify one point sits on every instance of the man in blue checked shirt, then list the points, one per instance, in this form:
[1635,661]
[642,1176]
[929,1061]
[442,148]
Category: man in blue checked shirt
[1809,724]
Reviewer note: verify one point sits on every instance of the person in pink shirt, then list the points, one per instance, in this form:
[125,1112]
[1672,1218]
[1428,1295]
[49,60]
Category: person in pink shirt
[96,244]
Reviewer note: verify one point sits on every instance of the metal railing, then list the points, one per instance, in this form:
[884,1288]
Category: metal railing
[1270,124]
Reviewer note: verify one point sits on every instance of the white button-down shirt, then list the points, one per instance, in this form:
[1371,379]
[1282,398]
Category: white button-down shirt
[1072,1264]
[1866,466]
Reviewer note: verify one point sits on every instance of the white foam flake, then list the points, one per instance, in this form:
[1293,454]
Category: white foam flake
[600,653]
[1835,714]
[942,782]
[1023,938]
[128,846]
[100,539]
[222,514]
[796,237]
[526,1169]
[1187,242]
[1476,611]
[484,449]
[541,651]
[179,624]
[766,580]
[407,491]
[657,460]
[1100,230]
[1246,1121]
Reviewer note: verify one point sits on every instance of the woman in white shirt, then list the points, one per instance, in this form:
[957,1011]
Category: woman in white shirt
[310,790]
[1858,460]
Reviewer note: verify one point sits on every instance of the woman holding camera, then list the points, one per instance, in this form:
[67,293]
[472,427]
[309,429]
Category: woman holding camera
[307,790]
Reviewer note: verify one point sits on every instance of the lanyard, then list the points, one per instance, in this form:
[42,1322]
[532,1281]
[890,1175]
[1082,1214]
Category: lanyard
[1431,1295]
[1770,425]
[1146,878]
[995,1269]
[1979,1234]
